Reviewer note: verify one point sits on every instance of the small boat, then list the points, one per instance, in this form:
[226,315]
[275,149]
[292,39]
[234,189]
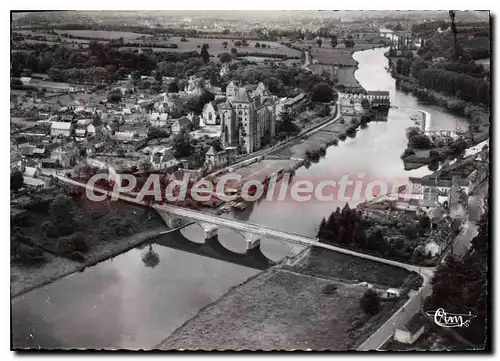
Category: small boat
[239,206]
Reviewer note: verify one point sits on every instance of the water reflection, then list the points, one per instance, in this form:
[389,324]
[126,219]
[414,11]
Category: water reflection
[150,257]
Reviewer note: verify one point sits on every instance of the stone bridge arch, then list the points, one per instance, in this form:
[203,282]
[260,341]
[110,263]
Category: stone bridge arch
[252,241]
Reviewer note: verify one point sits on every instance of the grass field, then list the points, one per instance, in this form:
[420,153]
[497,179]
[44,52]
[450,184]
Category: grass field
[104,34]
[346,76]
[277,310]
[340,55]
[216,47]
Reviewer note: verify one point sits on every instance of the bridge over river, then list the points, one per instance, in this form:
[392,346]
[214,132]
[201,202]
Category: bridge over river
[174,215]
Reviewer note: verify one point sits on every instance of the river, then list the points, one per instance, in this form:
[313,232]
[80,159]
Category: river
[123,304]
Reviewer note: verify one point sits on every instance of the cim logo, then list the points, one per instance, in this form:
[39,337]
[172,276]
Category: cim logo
[443,319]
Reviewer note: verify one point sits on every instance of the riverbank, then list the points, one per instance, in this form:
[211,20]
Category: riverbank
[25,279]
[477,115]
[285,308]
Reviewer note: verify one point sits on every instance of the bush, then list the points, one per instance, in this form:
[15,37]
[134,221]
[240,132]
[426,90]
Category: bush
[420,141]
[26,255]
[323,111]
[458,146]
[73,243]
[434,154]
[370,302]
[39,206]
[322,92]
[408,152]
[412,131]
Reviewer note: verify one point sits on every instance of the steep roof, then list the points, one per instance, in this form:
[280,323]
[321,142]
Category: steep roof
[213,104]
[242,96]
[225,106]
[211,151]
[183,121]
[378,92]
[415,323]
[61,125]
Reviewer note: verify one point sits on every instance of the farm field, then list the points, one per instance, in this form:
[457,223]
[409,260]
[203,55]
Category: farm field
[258,59]
[216,47]
[339,55]
[308,317]
[104,34]
[346,76]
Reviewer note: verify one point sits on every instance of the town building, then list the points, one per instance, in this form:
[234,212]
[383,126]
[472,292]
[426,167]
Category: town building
[158,120]
[247,118]
[379,99]
[210,114]
[61,129]
[163,160]
[296,104]
[180,124]
[214,159]
[409,333]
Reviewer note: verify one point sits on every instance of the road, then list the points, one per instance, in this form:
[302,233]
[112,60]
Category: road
[307,60]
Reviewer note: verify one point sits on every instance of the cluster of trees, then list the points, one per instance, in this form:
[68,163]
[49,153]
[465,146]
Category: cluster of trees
[285,126]
[349,42]
[204,53]
[462,285]
[16,180]
[472,45]
[346,227]
[182,146]
[463,86]
[323,92]
[395,239]
[403,66]
[281,81]
[259,45]
[370,302]
[101,63]
[274,56]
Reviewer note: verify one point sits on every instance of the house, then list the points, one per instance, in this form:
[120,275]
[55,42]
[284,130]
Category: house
[124,136]
[379,98]
[215,159]
[158,120]
[66,155]
[26,80]
[51,163]
[81,127]
[31,171]
[391,293]
[21,141]
[61,129]
[411,331]
[180,124]
[163,160]
[91,130]
[297,103]
[409,204]
[35,182]
[210,114]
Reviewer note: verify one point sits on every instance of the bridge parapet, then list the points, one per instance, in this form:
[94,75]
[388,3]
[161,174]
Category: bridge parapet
[170,219]
[210,230]
[252,241]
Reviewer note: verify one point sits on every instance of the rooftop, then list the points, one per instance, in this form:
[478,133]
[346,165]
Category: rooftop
[415,323]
